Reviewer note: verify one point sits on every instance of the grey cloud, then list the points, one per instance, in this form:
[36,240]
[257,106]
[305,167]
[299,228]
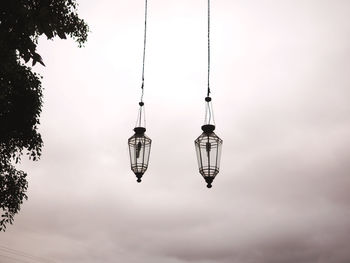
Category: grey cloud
[280,93]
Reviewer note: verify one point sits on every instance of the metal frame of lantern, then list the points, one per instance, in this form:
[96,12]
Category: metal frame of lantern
[139,150]
[208,149]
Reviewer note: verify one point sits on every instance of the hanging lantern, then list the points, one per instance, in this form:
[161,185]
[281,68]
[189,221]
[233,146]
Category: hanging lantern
[208,144]
[139,143]
[139,149]
[208,148]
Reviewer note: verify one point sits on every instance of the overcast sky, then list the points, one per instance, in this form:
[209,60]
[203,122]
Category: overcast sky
[281,91]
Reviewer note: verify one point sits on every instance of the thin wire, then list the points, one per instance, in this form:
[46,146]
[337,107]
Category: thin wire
[15,259]
[144,116]
[210,113]
[139,117]
[24,255]
[138,120]
[144,51]
[208,93]
[206,114]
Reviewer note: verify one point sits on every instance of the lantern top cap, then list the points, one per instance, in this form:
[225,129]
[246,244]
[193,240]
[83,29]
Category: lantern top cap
[208,128]
[139,130]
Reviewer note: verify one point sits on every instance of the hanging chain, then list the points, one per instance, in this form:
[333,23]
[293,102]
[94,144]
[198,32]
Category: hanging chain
[208,93]
[209,114]
[144,51]
[141,103]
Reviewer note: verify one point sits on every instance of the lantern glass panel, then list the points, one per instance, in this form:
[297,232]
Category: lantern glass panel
[208,148]
[139,149]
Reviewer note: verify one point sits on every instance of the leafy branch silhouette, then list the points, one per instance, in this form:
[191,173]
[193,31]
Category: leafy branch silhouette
[22,22]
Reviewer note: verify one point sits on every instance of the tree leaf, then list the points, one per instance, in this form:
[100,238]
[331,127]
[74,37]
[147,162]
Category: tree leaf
[61,34]
[26,56]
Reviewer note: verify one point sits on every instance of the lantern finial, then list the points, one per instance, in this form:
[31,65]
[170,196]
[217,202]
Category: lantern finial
[209,182]
[139,176]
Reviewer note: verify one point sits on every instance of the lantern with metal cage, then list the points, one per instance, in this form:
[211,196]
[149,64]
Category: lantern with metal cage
[208,148]
[139,149]
[139,143]
[208,144]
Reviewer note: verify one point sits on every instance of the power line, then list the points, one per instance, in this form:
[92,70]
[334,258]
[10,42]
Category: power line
[14,259]
[25,255]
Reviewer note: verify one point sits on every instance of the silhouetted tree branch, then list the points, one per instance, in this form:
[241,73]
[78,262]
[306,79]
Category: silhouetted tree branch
[21,24]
